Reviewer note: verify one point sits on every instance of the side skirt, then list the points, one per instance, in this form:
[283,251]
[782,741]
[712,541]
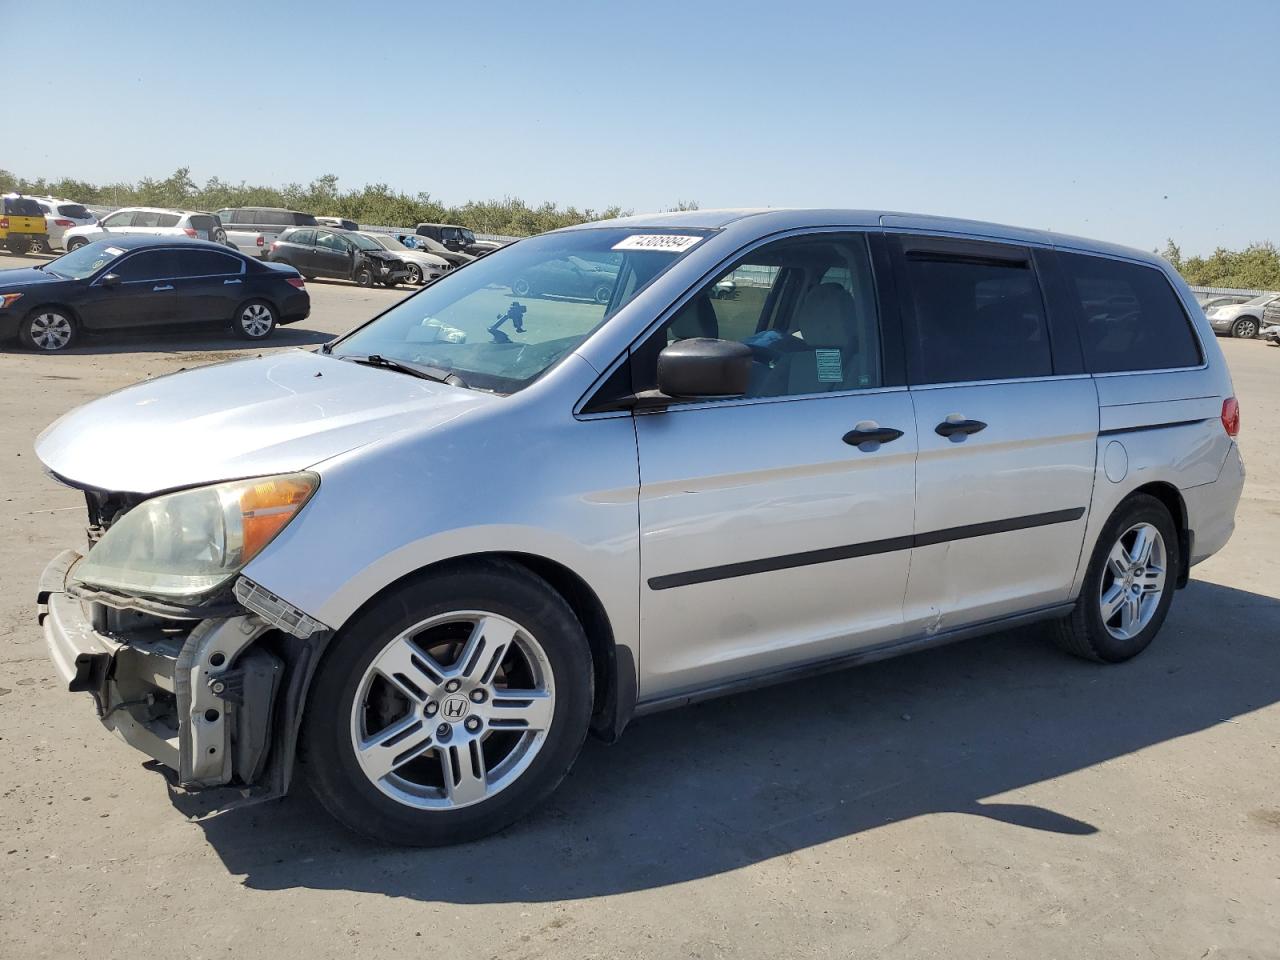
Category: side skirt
[856,658]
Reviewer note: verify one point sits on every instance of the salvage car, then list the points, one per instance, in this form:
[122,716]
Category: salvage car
[151,283]
[339,254]
[412,559]
[573,276]
[423,267]
[1242,320]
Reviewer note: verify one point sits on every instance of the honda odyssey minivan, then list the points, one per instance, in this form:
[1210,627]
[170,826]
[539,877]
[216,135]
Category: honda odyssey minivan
[421,563]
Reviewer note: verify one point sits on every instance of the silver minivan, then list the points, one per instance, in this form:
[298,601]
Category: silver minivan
[421,563]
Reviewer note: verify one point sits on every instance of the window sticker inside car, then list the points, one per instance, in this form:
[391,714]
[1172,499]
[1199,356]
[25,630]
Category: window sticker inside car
[667,242]
[830,369]
[114,251]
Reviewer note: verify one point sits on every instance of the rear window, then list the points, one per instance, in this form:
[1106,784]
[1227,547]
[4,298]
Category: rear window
[22,207]
[977,320]
[203,221]
[79,211]
[1131,317]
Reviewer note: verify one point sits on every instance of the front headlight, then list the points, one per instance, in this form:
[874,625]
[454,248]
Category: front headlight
[181,546]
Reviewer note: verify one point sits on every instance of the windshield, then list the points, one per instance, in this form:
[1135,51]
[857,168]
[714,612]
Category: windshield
[84,261]
[386,243]
[508,317]
[363,242]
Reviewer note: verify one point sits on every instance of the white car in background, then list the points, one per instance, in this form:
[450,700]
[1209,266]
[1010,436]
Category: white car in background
[61,216]
[1243,320]
[424,267]
[148,221]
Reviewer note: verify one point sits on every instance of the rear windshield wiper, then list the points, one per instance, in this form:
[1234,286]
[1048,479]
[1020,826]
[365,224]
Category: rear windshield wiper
[425,371]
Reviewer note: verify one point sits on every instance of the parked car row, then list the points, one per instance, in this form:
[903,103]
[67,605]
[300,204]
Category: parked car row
[147,282]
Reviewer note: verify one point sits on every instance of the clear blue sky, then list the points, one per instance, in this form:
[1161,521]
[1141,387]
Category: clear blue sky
[1129,121]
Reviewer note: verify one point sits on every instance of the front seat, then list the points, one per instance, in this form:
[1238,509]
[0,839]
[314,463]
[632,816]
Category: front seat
[697,318]
[825,323]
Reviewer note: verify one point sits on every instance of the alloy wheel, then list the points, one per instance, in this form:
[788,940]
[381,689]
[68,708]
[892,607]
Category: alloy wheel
[453,710]
[1133,581]
[256,320]
[1246,328]
[50,330]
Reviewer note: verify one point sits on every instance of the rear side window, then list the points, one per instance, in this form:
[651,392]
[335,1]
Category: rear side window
[204,263]
[167,220]
[1131,319]
[146,218]
[976,319]
[229,216]
[305,237]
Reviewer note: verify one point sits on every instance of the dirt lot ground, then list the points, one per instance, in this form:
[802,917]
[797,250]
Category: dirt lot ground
[990,799]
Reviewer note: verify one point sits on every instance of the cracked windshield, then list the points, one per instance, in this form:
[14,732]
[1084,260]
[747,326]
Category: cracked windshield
[508,317]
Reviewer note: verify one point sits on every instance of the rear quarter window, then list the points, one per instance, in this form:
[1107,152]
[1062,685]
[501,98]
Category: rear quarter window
[74,210]
[1130,316]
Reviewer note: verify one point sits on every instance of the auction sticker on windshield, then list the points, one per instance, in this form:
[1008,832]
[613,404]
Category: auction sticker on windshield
[675,243]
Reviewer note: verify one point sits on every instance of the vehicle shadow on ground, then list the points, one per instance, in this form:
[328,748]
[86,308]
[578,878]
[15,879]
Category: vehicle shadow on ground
[181,341]
[711,788]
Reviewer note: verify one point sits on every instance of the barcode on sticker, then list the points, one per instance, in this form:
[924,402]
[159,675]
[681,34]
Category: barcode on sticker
[830,369]
[666,242]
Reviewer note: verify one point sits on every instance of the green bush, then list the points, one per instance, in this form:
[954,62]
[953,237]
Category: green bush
[1256,267]
[375,203]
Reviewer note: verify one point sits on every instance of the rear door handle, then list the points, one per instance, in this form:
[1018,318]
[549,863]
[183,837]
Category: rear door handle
[957,424]
[871,434]
[165,286]
[225,282]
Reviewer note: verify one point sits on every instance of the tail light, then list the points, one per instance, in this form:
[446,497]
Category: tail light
[1231,416]
[260,241]
[296,282]
[189,231]
[4,223]
[64,223]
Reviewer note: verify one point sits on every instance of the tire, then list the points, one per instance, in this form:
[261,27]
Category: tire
[254,320]
[363,277]
[75,243]
[351,701]
[42,246]
[220,236]
[19,248]
[521,287]
[602,293]
[415,274]
[1085,632]
[48,329]
[1246,328]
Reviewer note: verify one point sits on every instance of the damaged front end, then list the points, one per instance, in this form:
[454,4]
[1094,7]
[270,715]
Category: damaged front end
[211,687]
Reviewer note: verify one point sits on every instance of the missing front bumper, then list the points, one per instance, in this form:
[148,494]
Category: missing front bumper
[217,700]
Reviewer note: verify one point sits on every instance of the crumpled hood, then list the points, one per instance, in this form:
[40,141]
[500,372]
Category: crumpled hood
[272,414]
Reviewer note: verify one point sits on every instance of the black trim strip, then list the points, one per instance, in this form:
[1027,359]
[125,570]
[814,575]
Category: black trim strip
[1152,426]
[849,551]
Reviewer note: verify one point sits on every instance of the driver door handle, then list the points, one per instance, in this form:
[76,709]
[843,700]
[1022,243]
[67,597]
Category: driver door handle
[860,435]
[163,286]
[957,424]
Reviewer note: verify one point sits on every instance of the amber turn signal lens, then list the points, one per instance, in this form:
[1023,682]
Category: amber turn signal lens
[266,506]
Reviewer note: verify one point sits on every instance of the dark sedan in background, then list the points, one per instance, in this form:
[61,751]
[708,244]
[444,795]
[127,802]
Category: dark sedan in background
[132,282]
[341,254]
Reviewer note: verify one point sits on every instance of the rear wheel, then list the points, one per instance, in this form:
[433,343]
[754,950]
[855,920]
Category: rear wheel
[1129,585]
[1246,328]
[450,707]
[255,320]
[47,329]
[19,246]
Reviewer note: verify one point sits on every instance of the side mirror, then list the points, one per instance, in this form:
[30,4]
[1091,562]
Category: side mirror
[703,367]
[111,280]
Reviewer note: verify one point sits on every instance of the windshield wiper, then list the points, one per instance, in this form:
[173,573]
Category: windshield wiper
[425,371]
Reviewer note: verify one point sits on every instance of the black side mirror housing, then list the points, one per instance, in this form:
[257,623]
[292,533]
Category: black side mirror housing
[111,280]
[702,367]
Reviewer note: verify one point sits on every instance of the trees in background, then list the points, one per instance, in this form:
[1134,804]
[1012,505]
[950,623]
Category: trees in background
[374,203]
[1256,267]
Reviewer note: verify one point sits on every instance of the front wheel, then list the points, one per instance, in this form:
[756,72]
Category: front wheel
[521,287]
[1129,585]
[47,329]
[75,243]
[364,277]
[602,293]
[415,274]
[255,320]
[450,707]
[1246,328]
